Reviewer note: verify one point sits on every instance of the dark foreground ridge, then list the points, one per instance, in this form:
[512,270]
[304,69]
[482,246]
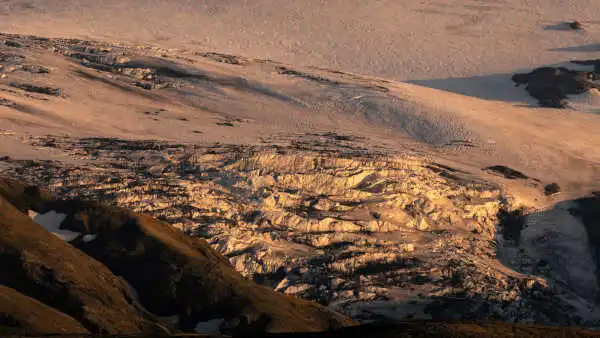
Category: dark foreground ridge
[414,329]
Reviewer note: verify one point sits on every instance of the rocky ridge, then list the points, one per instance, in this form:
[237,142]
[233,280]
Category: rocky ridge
[551,86]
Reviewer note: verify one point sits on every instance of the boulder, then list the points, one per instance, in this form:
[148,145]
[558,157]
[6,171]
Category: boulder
[551,85]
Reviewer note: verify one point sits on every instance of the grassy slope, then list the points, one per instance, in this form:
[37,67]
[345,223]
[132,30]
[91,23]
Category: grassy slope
[29,316]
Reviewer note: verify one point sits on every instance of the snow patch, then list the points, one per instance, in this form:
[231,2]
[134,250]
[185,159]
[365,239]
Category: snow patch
[210,327]
[397,311]
[89,237]
[170,320]
[51,221]
[560,240]
[173,320]
[134,293]
[588,102]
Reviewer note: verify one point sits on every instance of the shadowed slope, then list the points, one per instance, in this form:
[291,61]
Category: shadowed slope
[24,315]
[41,266]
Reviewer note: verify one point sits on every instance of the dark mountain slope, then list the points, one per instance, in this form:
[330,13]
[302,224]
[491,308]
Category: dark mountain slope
[38,264]
[26,315]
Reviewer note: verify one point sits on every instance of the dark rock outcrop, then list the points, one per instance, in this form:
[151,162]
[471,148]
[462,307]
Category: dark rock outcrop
[37,89]
[576,25]
[551,85]
[551,189]
[507,172]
